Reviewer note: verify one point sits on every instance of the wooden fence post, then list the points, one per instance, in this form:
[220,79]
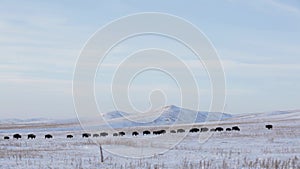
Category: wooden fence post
[101,154]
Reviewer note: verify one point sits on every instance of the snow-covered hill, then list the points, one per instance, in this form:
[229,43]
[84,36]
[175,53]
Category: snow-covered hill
[168,115]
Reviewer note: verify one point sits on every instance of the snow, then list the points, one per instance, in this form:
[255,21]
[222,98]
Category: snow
[252,147]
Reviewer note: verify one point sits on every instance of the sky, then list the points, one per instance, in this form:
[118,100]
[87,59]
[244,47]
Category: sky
[257,42]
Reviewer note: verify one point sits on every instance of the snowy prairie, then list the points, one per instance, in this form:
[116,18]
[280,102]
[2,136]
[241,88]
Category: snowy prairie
[253,146]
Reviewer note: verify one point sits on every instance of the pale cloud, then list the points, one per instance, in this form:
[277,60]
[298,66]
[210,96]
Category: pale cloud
[284,6]
[16,81]
[259,70]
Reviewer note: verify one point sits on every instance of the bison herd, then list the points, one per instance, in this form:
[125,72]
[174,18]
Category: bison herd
[136,133]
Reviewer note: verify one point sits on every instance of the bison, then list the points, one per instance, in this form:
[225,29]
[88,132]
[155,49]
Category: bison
[204,129]
[235,128]
[228,129]
[69,136]
[219,129]
[269,126]
[159,132]
[103,134]
[121,133]
[86,135]
[6,137]
[115,134]
[194,130]
[146,132]
[95,135]
[172,131]
[135,133]
[180,131]
[17,136]
[48,136]
[31,136]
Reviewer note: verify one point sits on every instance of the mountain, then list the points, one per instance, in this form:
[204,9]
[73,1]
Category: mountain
[168,115]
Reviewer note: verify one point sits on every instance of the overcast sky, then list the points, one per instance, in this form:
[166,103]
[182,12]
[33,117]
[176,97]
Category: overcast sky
[257,41]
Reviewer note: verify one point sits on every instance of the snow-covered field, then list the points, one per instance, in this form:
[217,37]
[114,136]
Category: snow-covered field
[252,147]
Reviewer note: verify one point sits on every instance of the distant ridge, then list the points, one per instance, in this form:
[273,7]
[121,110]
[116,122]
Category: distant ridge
[167,115]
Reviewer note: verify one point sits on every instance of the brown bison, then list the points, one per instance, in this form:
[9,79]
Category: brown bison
[219,129]
[172,131]
[228,129]
[6,137]
[95,135]
[235,128]
[121,133]
[204,129]
[31,136]
[146,132]
[180,131]
[135,133]
[69,136]
[48,136]
[103,134]
[269,126]
[159,132]
[86,135]
[194,130]
[17,136]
